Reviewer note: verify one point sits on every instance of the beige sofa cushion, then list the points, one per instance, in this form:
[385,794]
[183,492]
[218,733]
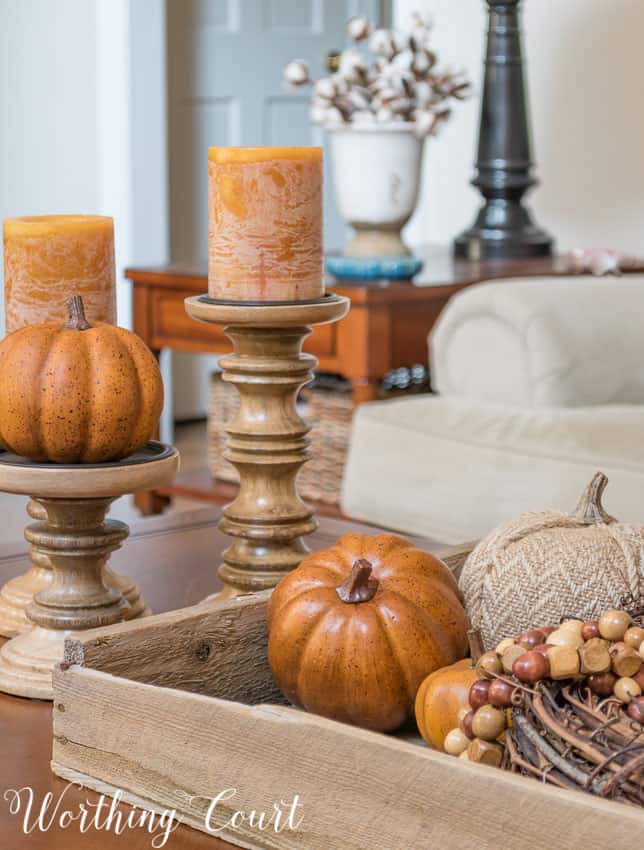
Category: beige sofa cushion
[451,469]
[538,342]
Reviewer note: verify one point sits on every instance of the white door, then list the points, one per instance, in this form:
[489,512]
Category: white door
[225,60]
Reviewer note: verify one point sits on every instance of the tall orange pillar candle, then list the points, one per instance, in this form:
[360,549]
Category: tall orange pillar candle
[49,258]
[265,224]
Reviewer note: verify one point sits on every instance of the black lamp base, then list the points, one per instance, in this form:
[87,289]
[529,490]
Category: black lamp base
[503,230]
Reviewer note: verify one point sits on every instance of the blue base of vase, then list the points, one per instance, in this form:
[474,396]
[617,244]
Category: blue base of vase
[373,268]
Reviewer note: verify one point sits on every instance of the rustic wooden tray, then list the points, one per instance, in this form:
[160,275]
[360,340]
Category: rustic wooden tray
[177,708]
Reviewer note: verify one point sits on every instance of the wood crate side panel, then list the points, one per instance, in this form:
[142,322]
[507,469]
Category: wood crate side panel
[215,648]
[358,790]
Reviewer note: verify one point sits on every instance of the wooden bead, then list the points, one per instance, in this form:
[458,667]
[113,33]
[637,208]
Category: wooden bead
[530,639]
[633,637]
[500,693]
[510,656]
[635,709]
[564,662]
[547,630]
[573,625]
[625,660]
[465,724]
[641,651]
[464,756]
[488,723]
[506,643]
[489,665]
[462,712]
[455,742]
[602,684]
[478,693]
[613,624]
[625,689]
[639,678]
[485,752]
[590,630]
[531,667]
[543,648]
[594,656]
[566,637]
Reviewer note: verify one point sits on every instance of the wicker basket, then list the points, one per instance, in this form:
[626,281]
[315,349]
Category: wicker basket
[327,405]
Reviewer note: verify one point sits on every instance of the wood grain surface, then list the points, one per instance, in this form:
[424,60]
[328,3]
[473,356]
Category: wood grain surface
[174,561]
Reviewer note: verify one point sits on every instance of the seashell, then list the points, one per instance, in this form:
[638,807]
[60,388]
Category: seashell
[297,72]
[358,27]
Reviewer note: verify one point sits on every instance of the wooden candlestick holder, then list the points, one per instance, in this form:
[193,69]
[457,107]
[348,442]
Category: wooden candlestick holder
[74,540]
[18,592]
[267,440]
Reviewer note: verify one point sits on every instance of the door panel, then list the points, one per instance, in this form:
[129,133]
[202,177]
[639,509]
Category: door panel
[225,61]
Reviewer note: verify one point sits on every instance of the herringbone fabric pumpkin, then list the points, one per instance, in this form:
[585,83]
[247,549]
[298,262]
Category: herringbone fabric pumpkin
[547,565]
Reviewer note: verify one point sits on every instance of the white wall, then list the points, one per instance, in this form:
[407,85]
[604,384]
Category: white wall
[585,70]
[48,128]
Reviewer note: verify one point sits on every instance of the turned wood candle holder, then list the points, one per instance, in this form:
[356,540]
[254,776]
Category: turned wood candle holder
[73,540]
[18,592]
[267,440]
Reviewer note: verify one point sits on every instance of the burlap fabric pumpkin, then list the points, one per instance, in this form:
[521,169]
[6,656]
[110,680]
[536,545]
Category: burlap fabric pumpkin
[547,565]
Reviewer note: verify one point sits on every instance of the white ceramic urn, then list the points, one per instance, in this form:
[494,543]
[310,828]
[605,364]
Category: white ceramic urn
[376,171]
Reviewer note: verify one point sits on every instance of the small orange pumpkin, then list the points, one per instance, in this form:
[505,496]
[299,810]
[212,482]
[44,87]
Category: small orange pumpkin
[440,698]
[77,393]
[355,629]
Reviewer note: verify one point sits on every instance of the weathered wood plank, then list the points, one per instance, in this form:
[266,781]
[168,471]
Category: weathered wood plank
[358,790]
[214,648]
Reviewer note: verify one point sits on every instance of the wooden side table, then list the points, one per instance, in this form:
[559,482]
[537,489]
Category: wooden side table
[386,327]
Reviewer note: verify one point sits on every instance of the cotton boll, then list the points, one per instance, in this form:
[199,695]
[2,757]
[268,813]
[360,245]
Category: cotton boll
[384,115]
[333,117]
[359,98]
[423,124]
[325,88]
[358,28]
[382,43]
[363,116]
[318,114]
[297,72]
[404,60]
[424,93]
[352,66]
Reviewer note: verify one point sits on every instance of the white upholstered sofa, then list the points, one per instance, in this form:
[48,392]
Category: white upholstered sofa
[540,383]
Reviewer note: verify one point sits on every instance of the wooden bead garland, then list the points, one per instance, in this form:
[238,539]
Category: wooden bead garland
[571,709]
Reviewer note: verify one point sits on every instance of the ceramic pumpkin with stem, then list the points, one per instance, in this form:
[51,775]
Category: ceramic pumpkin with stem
[444,693]
[355,629]
[77,393]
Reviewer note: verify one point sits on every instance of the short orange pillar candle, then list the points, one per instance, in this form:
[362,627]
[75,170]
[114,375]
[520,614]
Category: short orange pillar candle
[51,257]
[265,224]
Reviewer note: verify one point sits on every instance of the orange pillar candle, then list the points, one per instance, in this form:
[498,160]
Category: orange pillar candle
[51,257]
[265,224]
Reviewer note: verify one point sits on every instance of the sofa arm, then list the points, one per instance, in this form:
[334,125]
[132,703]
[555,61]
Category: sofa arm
[540,342]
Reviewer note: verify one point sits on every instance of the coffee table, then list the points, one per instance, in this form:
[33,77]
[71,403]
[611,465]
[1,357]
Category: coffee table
[173,560]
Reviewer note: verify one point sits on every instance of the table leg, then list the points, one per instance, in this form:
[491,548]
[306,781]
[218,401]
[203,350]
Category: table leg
[149,502]
[364,390]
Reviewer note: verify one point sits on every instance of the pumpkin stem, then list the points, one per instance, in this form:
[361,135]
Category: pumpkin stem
[590,510]
[475,642]
[77,319]
[358,586]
